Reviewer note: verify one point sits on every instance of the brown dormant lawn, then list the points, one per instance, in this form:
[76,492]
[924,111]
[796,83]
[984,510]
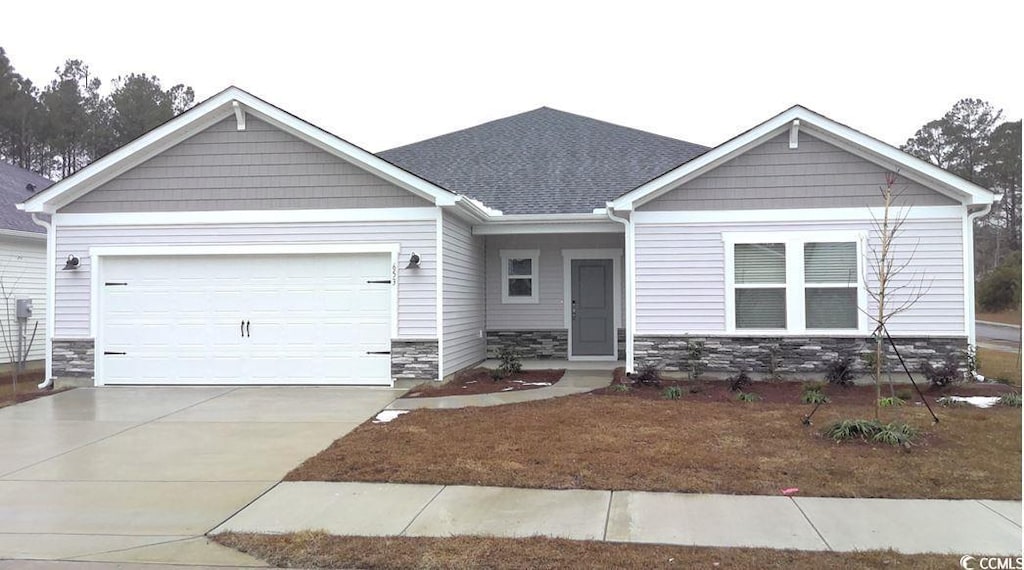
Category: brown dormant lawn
[319,550]
[622,442]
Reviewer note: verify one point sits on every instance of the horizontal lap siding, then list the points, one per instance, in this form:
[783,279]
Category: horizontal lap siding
[23,276]
[680,274]
[771,175]
[417,300]
[548,314]
[463,285]
[260,168]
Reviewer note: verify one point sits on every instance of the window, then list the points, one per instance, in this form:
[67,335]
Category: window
[519,270]
[794,281]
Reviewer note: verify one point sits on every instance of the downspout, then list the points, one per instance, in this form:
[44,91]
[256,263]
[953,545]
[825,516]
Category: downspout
[628,260]
[972,335]
[50,249]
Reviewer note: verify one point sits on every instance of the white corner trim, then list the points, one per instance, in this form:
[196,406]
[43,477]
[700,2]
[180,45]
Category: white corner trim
[615,255]
[791,215]
[794,135]
[249,217]
[439,291]
[533,254]
[239,116]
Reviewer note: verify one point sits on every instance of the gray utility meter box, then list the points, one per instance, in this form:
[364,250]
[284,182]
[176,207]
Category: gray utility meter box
[24,310]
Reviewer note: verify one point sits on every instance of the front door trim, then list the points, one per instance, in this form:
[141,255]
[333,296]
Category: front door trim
[568,255]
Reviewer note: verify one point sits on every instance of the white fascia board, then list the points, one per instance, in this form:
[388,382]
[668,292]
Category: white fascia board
[792,215]
[248,217]
[822,127]
[32,236]
[548,224]
[204,115]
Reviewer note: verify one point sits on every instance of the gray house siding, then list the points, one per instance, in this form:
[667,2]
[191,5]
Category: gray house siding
[772,176]
[260,168]
[417,293]
[680,274]
[462,276]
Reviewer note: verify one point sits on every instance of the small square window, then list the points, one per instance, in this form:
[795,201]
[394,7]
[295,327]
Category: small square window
[519,276]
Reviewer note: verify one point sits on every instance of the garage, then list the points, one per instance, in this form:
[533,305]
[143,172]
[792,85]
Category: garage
[244,319]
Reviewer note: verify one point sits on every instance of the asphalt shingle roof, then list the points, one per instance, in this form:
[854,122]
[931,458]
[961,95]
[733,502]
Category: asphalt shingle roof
[13,182]
[543,161]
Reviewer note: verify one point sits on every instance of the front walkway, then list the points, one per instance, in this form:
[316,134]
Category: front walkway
[802,523]
[573,382]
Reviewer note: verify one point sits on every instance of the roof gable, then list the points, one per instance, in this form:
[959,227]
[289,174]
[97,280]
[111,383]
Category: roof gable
[230,102]
[543,161]
[825,129]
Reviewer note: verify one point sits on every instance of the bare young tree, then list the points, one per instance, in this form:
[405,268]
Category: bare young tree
[892,286]
[17,351]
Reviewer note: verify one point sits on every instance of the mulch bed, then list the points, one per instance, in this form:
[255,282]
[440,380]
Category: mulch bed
[26,389]
[479,381]
[789,392]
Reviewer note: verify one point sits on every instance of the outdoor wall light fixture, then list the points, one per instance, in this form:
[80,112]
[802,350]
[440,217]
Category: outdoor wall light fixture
[414,261]
[71,263]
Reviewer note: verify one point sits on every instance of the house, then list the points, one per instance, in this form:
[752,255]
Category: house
[22,266]
[239,244]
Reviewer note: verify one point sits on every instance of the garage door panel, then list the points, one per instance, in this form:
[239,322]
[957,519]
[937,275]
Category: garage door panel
[311,319]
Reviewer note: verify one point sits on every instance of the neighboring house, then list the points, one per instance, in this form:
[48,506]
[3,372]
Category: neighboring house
[22,264]
[240,244]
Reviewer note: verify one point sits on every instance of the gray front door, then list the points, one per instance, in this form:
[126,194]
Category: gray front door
[593,313]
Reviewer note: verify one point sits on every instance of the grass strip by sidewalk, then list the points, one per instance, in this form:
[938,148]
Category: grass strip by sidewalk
[320,550]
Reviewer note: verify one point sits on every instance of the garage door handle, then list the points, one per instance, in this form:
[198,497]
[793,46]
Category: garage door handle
[378,352]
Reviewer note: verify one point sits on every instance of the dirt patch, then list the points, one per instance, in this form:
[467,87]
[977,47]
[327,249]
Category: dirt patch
[320,550]
[480,381]
[25,390]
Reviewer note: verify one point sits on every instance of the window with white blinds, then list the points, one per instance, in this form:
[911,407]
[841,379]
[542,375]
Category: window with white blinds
[830,285]
[760,283]
[794,281]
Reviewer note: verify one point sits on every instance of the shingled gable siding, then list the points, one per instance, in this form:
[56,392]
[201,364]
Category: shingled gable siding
[771,175]
[680,274]
[417,298]
[463,282]
[260,168]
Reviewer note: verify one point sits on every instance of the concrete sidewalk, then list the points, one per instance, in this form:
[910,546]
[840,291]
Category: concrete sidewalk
[803,523]
[573,382]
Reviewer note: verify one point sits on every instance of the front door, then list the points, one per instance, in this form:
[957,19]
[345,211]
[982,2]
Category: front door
[593,314]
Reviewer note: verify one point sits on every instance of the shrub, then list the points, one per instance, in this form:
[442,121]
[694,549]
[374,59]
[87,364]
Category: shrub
[738,382]
[1012,400]
[497,374]
[852,429]
[812,394]
[695,358]
[619,388]
[944,374]
[893,402]
[647,374]
[773,362]
[510,362]
[971,360]
[673,393]
[895,434]
[748,397]
[1000,289]
[840,371]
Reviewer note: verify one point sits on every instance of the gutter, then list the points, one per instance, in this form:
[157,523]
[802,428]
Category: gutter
[48,380]
[972,333]
[627,226]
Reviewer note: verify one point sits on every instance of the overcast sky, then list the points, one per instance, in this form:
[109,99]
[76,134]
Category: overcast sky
[383,74]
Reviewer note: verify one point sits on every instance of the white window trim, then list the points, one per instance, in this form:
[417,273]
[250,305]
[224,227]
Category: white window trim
[534,256]
[795,286]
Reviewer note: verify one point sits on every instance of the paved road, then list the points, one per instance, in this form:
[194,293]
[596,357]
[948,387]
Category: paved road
[132,475]
[1002,336]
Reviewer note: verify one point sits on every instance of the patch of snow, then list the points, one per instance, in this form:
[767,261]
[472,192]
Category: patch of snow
[388,415]
[979,377]
[977,401]
[471,382]
[536,383]
[507,389]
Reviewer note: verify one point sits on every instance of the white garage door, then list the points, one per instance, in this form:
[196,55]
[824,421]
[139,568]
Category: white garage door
[246,319]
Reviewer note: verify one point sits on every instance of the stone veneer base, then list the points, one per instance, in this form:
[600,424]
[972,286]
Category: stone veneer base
[414,359]
[73,359]
[795,355]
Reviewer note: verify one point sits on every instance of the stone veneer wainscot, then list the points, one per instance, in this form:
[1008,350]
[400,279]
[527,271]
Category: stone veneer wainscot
[414,359]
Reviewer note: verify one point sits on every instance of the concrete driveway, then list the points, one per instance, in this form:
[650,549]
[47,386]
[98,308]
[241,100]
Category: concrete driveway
[141,474]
